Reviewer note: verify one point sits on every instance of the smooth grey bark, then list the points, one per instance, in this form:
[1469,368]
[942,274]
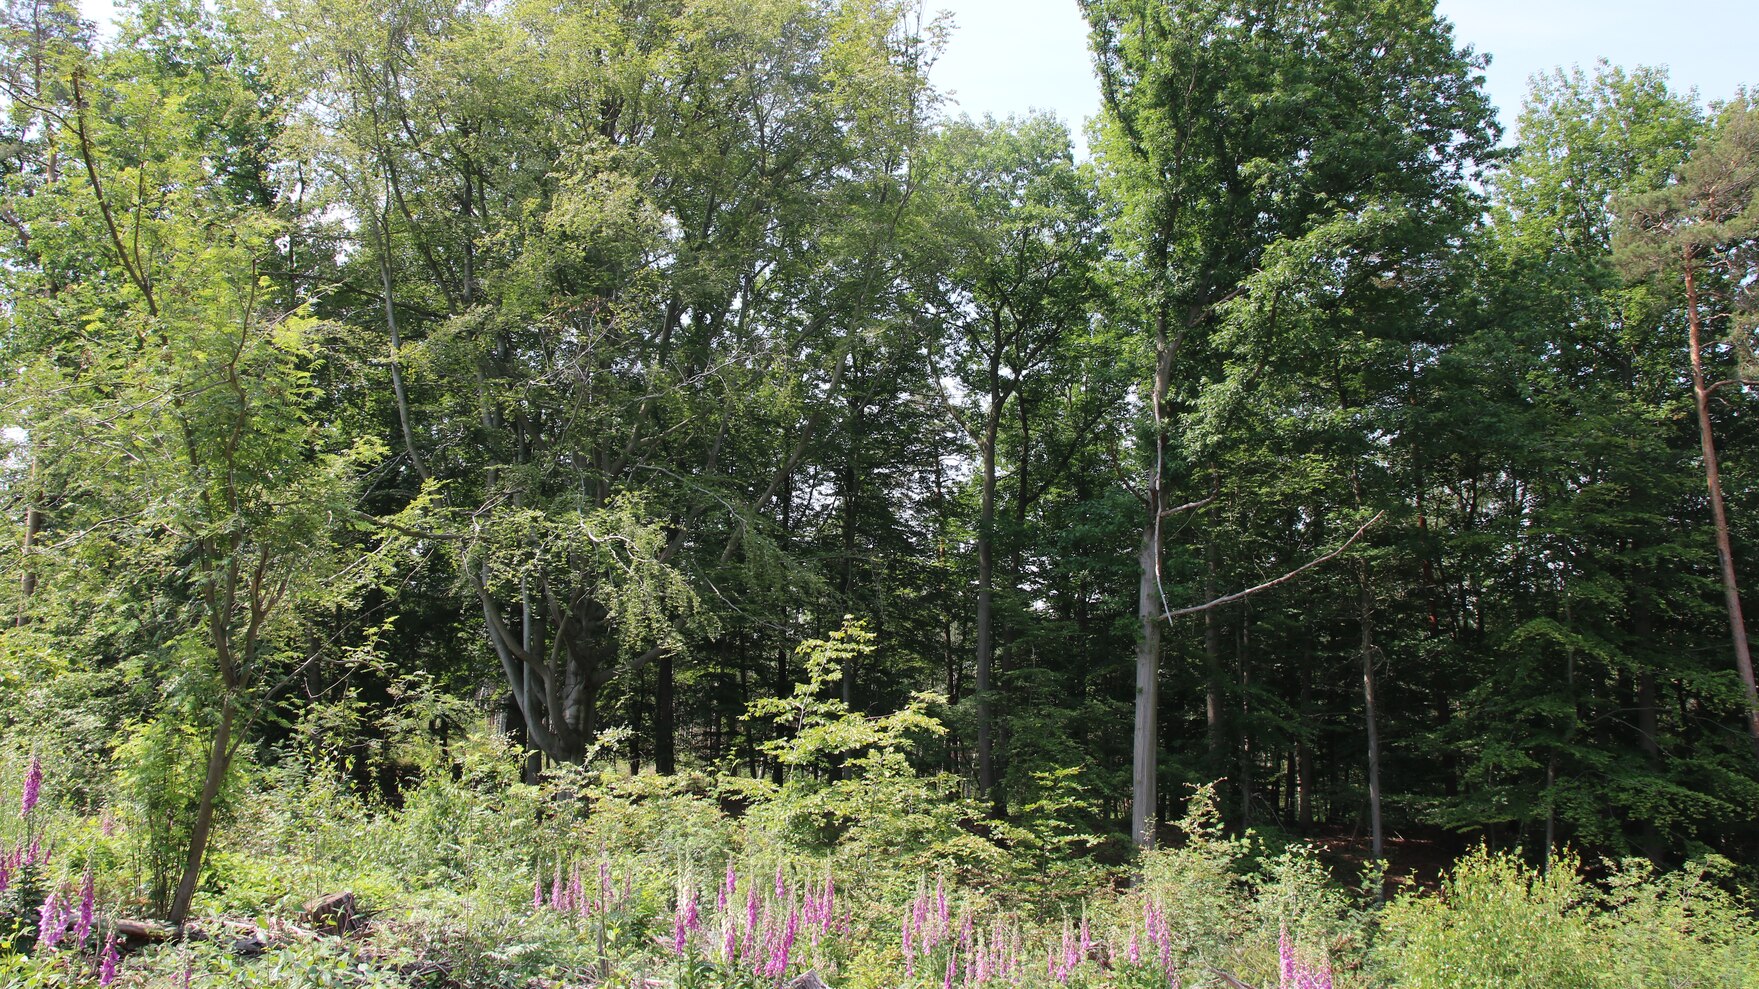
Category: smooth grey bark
[1370,713]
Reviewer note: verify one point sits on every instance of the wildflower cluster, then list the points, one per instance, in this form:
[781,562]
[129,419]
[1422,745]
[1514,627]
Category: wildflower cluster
[22,857]
[67,917]
[1150,944]
[955,947]
[1297,974]
[761,930]
[568,893]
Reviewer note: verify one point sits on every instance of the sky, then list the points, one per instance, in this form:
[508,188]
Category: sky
[1011,56]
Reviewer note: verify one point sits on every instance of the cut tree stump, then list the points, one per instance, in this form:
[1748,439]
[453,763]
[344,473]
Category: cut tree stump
[334,913]
[808,979]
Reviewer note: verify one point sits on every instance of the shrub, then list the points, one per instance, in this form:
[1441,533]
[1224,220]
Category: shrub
[1497,924]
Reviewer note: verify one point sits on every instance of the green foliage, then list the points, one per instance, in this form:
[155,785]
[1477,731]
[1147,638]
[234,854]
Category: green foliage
[158,773]
[414,413]
[1496,923]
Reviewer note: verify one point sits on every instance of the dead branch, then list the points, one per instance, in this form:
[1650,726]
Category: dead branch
[1285,578]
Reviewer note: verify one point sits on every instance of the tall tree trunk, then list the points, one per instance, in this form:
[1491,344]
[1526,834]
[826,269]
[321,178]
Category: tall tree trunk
[1243,650]
[219,760]
[1370,713]
[665,715]
[986,779]
[1145,740]
[1303,750]
[851,482]
[1212,664]
[1713,479]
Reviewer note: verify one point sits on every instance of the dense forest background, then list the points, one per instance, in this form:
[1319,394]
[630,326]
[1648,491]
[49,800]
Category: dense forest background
[377,375]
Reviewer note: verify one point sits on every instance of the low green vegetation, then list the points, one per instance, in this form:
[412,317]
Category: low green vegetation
[856,867]
[561,493]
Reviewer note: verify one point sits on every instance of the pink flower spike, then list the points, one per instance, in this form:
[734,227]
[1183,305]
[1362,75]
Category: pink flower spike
[537,893]
[1286,957]
[87,898]
[680,930]
[107,967]
[33,786]
[51,922]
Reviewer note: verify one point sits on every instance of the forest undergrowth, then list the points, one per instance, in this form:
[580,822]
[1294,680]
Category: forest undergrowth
[857,867]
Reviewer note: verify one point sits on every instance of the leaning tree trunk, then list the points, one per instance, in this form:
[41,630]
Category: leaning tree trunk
[219,760]
[1713,479]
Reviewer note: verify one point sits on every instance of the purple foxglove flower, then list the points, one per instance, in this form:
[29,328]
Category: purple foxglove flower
[1135,950]
[33,786]
[556,901]
[948,983]
[909,943]
[51,922]
[537,893]
[729,886]
[785,947]
[1286,956]
[87,898]
[107,967]
[781,890]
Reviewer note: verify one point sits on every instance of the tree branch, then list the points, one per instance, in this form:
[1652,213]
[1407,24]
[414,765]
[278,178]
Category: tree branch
[1285,578]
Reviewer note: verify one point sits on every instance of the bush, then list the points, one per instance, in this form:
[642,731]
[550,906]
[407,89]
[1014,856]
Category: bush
[1497,924]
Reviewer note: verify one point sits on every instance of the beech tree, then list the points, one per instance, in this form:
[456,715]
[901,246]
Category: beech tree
[1243,145]
[597,264]
[1012,280]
